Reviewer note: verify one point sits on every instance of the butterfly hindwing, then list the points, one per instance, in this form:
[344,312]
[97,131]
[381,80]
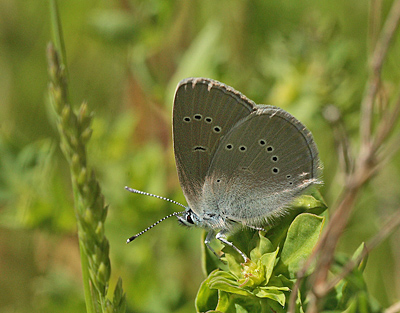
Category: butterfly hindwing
[263,163]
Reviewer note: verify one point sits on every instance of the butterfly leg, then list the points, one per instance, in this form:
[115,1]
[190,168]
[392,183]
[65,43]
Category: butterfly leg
[210,236]
[221,236]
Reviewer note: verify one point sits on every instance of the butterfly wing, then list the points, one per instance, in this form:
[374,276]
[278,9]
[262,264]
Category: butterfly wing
[204,112]
[262,164]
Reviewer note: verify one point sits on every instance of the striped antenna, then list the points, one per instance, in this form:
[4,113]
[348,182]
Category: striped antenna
[159,221]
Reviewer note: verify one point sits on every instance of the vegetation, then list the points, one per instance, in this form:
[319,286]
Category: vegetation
[333,65]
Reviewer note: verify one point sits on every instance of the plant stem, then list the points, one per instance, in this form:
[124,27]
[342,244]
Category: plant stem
[90,209]
[57,33]
[366,164]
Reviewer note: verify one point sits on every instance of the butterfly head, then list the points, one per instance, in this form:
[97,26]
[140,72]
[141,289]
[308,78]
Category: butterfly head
[209,221]
[188,218]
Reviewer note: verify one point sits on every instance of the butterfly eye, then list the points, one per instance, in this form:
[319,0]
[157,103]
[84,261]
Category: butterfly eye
[189,219]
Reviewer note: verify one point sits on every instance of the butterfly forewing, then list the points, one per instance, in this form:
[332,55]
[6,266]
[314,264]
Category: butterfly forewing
[204,112]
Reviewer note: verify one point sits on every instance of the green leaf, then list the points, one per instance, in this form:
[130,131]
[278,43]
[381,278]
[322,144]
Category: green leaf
[302,204]
[273,293]
[234,266]
[264,246]
[224,303]
[206,298]
[226,282]
[301,238]
[268,260]
[274,306]
[244,304]
[357,253]
[308,202]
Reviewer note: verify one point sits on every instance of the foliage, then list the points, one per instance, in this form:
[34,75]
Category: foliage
[125,59]
[264,283]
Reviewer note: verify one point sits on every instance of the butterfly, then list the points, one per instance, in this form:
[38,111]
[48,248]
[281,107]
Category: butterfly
[238,163]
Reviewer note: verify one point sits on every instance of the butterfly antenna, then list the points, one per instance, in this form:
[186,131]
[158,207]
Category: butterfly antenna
[159,221]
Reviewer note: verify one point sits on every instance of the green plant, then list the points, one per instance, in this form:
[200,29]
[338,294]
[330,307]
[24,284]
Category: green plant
[90,209]
[268,280]
[264,283]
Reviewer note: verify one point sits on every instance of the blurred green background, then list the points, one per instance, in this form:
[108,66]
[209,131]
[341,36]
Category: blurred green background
[125,59]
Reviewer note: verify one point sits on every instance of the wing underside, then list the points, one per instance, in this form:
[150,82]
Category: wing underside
[204,112]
